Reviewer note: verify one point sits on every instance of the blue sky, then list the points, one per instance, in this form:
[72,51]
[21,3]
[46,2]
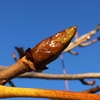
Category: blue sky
[27,22]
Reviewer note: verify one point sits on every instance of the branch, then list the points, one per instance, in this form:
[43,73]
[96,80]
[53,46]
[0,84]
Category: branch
[12,92]
[12,84]
[90,42]
[20,67]
[87,83]
[73,52]
[64,71]
[92,90]
[57,76]
[82,39]
[60,76]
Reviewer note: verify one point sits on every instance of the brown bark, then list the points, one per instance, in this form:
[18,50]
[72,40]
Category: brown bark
[20,67]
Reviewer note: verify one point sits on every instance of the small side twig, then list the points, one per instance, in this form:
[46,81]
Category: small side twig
[12,84]
[64,71]
[90,42]
[73,52]
[14,57]
[92,90]
[87,83]
[84,38]
[20,51]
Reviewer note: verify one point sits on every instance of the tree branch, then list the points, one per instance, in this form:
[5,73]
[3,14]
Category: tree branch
[20,67]
[60,76]
[92,90]
[12,92]
[82,39]
[90,42]
[11,83]
[57,76]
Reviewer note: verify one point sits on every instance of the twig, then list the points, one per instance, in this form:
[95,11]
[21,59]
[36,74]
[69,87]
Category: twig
[12,84]
[20,51]
[64,70]
[14,57]
[92,90]
[90,42]
[82,39]
[12,92]
[73,52]
[87,83]
[60,76]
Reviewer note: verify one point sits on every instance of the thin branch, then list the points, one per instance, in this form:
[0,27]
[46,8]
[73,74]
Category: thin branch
[12,92]
[90,42]
[12,84]
[64,71]
[87,83]
[14,57]
[20,51]
[73,52]
[60,76]
[57,76]
[82,39]
[92,90]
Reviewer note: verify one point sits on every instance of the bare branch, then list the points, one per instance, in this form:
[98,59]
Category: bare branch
[14,57]
[12,84]
[92,90]
[73,52]
[60,76]
[87,83]
[57,76]
[12,92]
[64,71]
[90,42]
[20,67]
[82,39]
[20,51]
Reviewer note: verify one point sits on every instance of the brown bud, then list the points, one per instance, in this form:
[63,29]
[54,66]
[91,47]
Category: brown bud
[49,49]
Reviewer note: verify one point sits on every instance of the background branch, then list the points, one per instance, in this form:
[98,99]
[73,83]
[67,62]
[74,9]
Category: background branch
[82,39]
[90,42]
[57,76]
[60,76]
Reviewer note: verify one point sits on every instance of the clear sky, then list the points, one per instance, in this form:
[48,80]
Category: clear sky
[27,22]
